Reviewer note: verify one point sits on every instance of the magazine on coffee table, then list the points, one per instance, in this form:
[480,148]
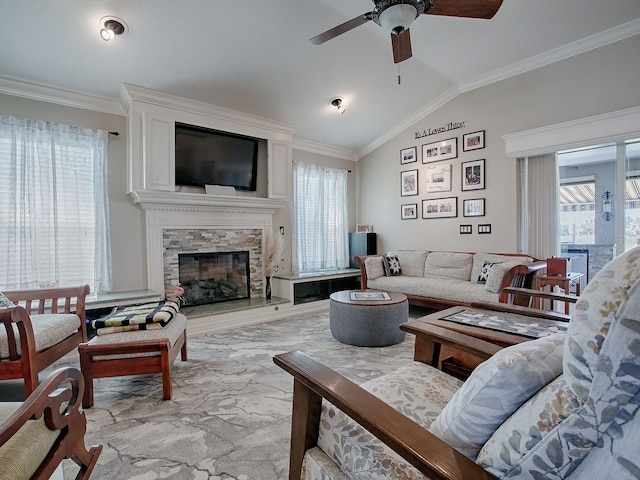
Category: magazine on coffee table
[369,296]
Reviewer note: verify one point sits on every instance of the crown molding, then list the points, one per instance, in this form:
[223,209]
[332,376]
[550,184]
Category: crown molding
[584,45]
[561,53]
[59,96]
[133,93]
[323,149]
[608,127]
[428,109]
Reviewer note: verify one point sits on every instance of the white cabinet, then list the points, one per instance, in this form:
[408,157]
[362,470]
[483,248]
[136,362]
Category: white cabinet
[159,155]
[280,170]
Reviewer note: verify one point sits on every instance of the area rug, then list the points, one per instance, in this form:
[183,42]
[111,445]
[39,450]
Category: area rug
[230,414]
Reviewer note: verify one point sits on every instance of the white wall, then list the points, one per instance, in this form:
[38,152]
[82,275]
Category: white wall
[600,81]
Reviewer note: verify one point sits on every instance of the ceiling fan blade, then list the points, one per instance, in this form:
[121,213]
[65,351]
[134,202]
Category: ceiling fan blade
[465,8]
[401,45]
[340,29]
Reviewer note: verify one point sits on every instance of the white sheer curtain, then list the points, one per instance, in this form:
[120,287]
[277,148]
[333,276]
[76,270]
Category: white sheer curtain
[321,218]
[54,221]
[540,206]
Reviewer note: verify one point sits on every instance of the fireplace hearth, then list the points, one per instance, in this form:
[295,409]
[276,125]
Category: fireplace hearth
[214,277]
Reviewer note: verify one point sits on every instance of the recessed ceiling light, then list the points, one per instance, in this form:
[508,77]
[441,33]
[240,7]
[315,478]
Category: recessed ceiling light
[338,103]
[111,27]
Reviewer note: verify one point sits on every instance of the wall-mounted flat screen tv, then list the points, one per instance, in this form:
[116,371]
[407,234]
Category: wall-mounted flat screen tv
[211,157]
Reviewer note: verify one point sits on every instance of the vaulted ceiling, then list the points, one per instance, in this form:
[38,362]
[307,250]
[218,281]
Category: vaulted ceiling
[254,56]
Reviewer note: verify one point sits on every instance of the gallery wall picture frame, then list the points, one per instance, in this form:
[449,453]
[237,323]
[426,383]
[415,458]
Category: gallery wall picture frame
[442,150]
[440,207]
[473,207]
[473,177]
[484,228]
[409,211]
[473,141]
[408,155]
[438,177]
[466,229]
[363,228]
[408,183]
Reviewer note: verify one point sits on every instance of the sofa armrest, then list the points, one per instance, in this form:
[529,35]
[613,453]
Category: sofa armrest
[360,259]
[521,276]
[313,381]
[54,300]
[57,400]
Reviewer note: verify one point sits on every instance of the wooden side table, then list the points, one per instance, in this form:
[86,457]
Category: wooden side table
[565,283]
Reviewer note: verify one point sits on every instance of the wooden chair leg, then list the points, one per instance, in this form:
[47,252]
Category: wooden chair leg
[166,373]
[85,368]
[183,350]
[304,426]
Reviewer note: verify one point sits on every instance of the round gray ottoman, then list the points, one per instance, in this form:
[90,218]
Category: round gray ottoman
[367,323]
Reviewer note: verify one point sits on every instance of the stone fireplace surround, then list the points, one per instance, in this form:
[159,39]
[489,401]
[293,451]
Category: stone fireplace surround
[173,216]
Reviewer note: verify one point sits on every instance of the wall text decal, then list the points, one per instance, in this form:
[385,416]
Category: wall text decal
[445,128]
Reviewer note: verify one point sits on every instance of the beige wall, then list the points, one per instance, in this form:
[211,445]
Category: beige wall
[600,81]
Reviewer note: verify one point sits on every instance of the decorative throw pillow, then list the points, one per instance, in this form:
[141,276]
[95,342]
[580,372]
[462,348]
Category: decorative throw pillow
[374,267]
[4,301]
[484,273]
[391,265]
[497,273]
[496,389]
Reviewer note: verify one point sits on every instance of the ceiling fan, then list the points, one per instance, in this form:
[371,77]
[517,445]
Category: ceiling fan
[395,16]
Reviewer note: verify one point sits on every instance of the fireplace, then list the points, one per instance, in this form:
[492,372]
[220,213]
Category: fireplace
[214,277]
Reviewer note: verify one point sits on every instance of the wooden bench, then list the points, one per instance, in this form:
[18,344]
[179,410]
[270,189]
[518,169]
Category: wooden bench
[133,353]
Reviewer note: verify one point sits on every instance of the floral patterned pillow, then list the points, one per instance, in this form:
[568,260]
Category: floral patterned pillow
[496,389]
[4,301]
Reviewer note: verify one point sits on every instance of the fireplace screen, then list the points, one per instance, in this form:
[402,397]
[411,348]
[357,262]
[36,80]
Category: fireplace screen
[214,277]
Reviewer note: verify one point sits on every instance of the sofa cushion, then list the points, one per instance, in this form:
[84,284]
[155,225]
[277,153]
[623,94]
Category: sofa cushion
[480,258]
[435,287]
[23,453]
[48,330]
[496,389]
[374,267]
[449,265]
[417,390]
[412,262]
[497,273]
[484,273]
[391,265]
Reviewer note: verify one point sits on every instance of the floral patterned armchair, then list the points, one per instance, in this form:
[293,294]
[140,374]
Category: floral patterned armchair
[559,407]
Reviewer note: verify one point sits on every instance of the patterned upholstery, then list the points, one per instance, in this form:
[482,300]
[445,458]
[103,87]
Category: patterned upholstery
[587,411]
[579,424]
[48,330]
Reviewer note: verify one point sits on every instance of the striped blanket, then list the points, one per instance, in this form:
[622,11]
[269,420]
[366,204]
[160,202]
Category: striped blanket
[148,316]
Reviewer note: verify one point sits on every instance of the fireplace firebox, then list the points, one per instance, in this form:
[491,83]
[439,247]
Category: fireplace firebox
[214,277]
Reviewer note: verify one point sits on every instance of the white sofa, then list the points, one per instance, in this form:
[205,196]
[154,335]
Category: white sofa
[439,279]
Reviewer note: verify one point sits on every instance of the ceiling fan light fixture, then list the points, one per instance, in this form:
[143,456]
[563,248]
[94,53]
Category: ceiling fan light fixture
[337,102]
[399,17]
[111,28]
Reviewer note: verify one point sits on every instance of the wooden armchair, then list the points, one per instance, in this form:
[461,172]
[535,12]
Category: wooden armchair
[36,435]
[44,326]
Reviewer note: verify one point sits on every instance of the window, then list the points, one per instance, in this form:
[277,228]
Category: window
[320,212]
[577,212]
[54,217]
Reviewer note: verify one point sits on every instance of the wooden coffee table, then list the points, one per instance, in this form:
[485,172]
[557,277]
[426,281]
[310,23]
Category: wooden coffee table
[446,356]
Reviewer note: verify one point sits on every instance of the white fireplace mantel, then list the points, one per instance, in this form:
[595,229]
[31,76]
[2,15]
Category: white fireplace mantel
[197,202]
[181,210]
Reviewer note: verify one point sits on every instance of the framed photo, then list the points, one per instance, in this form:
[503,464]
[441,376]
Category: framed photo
[473,175]
[409,211]
[361,228]
[408,183]
[473,141]
[409,155]
[438,177]
[484,228]
[440,207]
[443,150]
[466,229]
[473,207]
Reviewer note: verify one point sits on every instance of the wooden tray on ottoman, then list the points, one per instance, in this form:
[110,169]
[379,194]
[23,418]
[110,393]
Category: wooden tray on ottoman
[133,353]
